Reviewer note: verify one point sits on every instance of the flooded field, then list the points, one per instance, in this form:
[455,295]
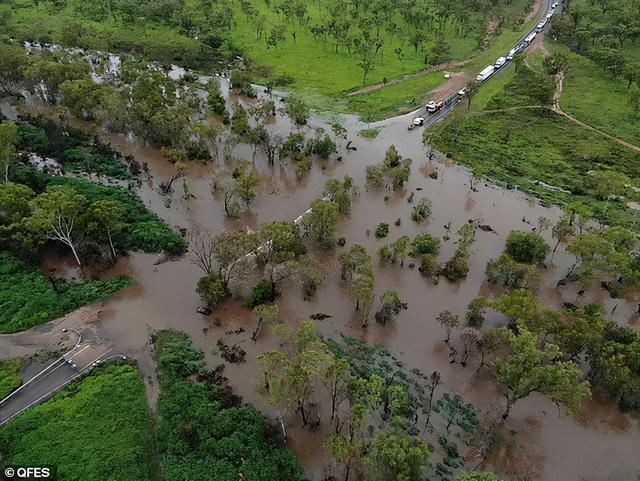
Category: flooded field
[596,444]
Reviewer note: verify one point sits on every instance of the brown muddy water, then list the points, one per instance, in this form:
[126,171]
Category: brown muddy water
[596,444]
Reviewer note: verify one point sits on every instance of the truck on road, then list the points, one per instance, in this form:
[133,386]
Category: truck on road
[500,62]
[486,73]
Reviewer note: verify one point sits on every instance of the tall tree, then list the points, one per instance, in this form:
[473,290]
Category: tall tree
[8,135]
[322,221]
[57,216]
[105,217]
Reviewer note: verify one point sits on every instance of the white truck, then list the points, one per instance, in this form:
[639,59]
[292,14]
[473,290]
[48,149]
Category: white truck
[500,62]
[530,37]
[486,73]
[515,50]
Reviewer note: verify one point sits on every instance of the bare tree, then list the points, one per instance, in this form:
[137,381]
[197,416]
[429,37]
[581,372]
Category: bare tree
[469,337]
[202,247]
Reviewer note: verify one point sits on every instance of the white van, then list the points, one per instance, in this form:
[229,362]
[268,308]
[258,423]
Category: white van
[500,62]
[530,37]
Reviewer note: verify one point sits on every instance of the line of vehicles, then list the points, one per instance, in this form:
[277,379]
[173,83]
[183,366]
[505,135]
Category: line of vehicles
[432,106]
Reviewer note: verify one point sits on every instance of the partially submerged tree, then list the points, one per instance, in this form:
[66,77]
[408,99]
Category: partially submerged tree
[527,368]
[391,307]
[392,173]
[322,221]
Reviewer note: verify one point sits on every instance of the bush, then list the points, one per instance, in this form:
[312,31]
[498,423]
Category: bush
[474,316]
[382,230]
[512,274]
[212,290]
[630,399]
[261,294]
[426,244]
[421,211]
[457,267]
[10,379]
[527,247]
[430,267]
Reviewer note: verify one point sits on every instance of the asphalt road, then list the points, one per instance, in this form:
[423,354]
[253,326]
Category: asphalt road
[453,100]
[53,378]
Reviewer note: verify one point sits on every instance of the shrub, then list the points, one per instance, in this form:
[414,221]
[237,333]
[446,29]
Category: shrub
[426,244]
[457,267]
[512,274]
[430,267]
[382,230]
[10,371]
[212,290]
[474,316]
[262,293]
[527,247]
[421,211]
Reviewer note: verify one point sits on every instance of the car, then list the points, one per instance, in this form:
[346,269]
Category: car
[462,92]
[500,62]
[417,122]
[431,106]
[204,310]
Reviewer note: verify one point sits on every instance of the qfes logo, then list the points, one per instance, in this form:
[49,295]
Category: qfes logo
[27,472]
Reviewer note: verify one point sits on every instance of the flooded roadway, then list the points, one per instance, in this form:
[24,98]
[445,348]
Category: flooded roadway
[598,443]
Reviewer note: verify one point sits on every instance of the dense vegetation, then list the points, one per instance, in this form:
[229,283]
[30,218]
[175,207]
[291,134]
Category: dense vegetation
[75,150]
[28,298]
[10,371]
[527,149]
[96,429]
[203,432]
[139,228]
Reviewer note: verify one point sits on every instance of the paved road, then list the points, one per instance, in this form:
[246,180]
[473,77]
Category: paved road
[59,373]
[451,102]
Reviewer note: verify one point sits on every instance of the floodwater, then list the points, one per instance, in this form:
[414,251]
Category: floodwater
[598,443]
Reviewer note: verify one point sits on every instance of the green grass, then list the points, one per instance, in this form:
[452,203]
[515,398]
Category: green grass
[523,147]
[591,95]
[308,62]
[10,375]
[97,429]
[28,298]
[395,99]
[493,88]
[369,133]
